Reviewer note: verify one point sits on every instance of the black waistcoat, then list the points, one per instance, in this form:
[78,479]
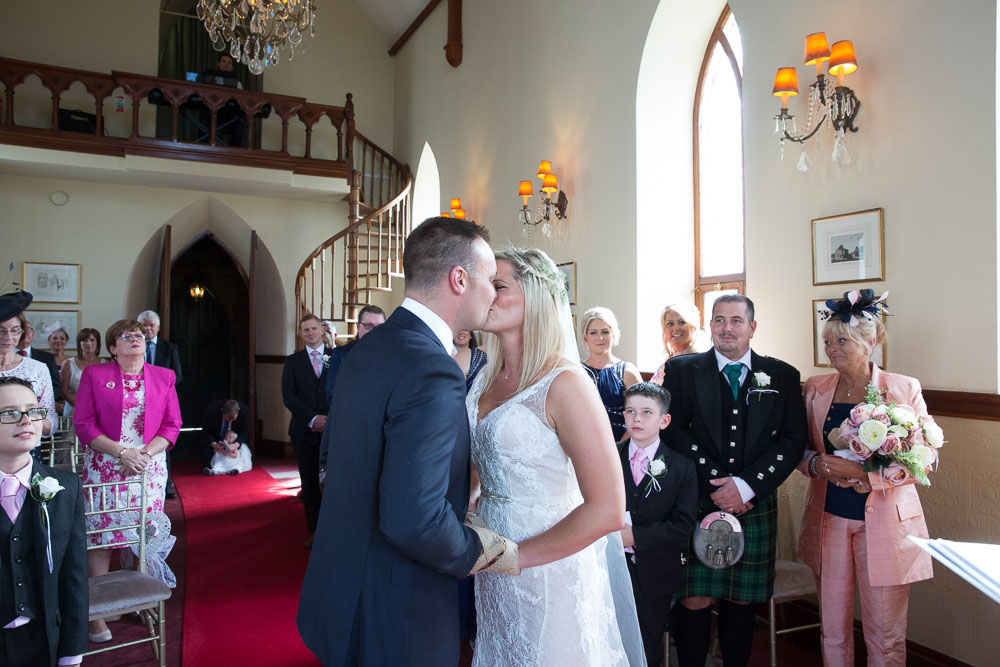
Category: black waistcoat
[734,426]
[18,593]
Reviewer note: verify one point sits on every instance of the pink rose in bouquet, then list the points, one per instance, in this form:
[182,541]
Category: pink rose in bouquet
[881,414]
[891,444]
[860,449]
[859,414]
[896,474]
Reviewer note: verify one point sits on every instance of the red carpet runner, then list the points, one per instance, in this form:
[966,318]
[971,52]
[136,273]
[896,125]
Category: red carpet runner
[245,565]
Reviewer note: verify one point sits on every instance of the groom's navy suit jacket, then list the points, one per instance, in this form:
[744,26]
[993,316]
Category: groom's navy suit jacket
[381,585]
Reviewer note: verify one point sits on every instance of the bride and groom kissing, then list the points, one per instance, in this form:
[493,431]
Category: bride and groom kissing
[393,540]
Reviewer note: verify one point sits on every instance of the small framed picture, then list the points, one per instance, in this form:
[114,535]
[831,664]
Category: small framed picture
[47,321]
[849,248]
[569,270]
[820,315]
[52,283]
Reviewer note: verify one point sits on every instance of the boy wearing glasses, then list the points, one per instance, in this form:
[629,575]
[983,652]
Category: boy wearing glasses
[43,554]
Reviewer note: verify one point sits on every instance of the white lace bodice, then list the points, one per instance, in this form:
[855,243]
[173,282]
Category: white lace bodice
[555,614]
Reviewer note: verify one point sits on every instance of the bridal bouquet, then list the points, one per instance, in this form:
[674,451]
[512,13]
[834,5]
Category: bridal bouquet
[889,437]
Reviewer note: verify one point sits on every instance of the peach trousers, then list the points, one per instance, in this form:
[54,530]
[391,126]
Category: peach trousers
[883,608]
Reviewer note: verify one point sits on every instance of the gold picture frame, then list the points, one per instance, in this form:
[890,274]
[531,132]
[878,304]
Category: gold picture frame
[849,248]
[569,270]
[52,282]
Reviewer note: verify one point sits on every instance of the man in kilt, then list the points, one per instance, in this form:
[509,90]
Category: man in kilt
[740,417]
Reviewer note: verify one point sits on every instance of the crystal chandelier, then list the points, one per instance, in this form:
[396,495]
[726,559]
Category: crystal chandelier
[257,30]
[835,106]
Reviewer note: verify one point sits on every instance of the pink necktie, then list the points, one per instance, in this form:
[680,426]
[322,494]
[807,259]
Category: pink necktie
[316,367]
[8,496]
[639,461]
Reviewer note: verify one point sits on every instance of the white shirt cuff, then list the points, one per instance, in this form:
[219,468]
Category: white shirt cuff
[312,420]
[746,493]
[71,660]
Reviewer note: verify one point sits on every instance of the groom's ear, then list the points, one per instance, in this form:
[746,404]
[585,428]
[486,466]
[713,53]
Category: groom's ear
[458,280]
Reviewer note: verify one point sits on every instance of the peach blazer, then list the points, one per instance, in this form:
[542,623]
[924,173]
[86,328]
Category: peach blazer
[99,404]
[891,512]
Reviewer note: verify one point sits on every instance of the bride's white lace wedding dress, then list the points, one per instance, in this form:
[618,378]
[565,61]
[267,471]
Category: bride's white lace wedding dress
[557,614]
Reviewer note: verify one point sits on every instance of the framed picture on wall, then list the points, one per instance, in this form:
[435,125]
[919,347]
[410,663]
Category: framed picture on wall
[569,270]
[849,248]
[52,283]
[820,315]
[46,321]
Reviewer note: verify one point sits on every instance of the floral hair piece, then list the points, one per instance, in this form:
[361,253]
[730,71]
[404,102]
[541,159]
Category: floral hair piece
[553,279]
[857,303]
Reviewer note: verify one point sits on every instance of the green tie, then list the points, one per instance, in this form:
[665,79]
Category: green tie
[733,372]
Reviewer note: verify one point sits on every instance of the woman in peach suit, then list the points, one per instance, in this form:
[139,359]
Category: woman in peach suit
[854,526]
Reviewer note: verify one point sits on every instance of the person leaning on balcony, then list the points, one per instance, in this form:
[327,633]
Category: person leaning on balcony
[854,525]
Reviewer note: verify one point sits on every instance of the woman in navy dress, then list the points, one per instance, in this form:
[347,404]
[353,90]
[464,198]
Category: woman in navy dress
[611,375]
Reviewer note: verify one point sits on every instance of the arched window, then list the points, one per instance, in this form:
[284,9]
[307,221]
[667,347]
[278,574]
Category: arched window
[719,256]
[426,187]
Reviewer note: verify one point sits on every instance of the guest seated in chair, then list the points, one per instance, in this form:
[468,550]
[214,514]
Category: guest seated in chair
[224,432]
[43,595]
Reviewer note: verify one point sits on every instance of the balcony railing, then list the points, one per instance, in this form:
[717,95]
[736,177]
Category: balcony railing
[303,143]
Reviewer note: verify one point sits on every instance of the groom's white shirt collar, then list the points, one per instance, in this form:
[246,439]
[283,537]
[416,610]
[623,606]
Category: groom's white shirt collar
[440,328]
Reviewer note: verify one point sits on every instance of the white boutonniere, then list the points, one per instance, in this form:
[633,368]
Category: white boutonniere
[657,468]
[44,489]
[761,382]
[326,360]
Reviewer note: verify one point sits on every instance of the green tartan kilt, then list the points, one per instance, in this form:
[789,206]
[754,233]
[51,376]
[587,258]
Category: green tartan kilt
[752,578]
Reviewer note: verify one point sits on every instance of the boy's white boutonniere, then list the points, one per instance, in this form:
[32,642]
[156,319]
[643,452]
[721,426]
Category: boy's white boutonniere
[761,382]
[657,469]
[44,489]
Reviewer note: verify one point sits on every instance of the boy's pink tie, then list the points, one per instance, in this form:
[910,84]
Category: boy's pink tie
[8,495]
[639,463]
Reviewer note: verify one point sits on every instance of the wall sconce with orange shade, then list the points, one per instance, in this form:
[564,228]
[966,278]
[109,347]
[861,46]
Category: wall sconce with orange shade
[836,106]
[456,209]
[546,206]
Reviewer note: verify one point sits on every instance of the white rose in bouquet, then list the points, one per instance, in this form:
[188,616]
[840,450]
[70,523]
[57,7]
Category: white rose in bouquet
[923,454]
[933,434]
[903,416]
[900,432]
[872,433]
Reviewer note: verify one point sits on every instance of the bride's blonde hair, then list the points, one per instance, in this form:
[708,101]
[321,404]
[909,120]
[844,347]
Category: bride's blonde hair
[545,344]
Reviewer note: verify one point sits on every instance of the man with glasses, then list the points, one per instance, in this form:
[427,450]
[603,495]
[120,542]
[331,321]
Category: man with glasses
[369,317]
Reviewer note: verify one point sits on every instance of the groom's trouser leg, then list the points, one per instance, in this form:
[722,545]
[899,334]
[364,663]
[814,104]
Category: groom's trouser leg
[692,635]
[737,623]
[307,456]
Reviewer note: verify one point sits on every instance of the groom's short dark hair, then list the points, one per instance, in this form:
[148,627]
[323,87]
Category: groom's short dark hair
[435,246]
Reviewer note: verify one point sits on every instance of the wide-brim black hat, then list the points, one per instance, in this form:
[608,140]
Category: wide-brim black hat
[13,304]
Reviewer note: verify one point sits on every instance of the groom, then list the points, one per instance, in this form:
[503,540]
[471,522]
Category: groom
[740,417]
[381,587]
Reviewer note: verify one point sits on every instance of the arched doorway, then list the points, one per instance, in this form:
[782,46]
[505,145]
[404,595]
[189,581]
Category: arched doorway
[210,330]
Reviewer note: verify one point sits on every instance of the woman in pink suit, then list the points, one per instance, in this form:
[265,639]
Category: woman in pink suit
[854,526]
[127,416]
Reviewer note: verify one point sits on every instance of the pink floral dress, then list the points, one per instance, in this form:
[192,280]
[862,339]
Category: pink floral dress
[100,467]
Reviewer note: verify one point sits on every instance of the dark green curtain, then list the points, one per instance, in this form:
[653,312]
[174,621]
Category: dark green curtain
[187,48]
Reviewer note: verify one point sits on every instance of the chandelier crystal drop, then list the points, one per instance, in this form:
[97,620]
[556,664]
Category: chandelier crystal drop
[257,30]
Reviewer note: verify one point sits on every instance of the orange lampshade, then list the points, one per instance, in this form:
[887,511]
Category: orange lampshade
[445,215]
[524,189]
[817,48]
[786,82]
[842,60]
[456,203]
[459,213]
[544,167]
[549,183]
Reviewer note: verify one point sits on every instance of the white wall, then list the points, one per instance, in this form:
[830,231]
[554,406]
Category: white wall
[540,80]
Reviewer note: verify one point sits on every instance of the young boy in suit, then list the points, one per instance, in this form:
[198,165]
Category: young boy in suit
[661,499]
[43,600]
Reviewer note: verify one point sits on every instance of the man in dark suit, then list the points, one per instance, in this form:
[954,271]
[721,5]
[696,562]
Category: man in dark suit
[369,317]
[221,417]
[661,496]
[159,352]
[303,390]
[381,587]
[43,608]
[26,350]
[740,417]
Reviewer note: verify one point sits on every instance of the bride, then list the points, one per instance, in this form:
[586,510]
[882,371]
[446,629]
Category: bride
[551,481]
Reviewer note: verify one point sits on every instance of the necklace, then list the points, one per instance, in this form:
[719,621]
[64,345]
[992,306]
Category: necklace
[850,389]
[7,365]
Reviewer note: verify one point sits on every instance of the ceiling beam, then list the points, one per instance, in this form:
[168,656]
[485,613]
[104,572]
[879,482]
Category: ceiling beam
[413,27]
[453,48]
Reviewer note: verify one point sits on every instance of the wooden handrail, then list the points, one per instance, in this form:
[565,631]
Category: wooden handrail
[179,96]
